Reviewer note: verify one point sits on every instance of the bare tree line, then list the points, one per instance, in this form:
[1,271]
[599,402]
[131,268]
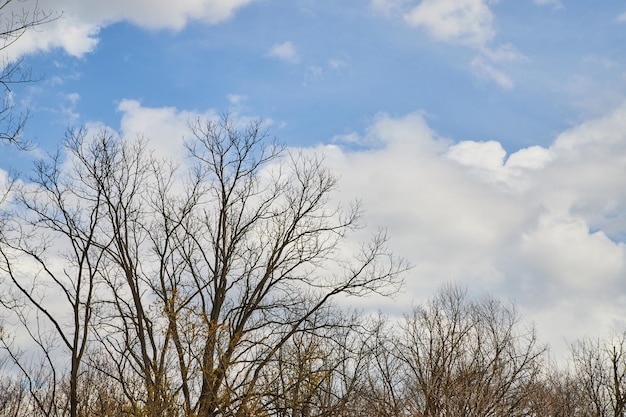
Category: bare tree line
[132,286]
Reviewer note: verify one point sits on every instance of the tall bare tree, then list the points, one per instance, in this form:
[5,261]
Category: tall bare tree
[49,255]
[137,239]
[262,257]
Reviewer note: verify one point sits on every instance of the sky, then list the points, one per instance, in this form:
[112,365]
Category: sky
[488,137]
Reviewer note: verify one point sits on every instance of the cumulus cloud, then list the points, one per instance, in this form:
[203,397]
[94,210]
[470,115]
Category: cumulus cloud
[285,51]
[489,155]
[542,225]
[167,128]
[75,36]
[562,247]
[533,157]
[79,22]
[163,127]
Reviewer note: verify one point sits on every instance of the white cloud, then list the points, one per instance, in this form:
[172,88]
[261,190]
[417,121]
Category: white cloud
[596,137]
[600,61]
[562,247]
[167,128]
[489,155]
[433,208]
[543,225]
[622,18]
[76,30]
[503,53]
[73,98]
[75,36]
[467,22]
[488,161]
[5,182]
[163,127]
[533,157]
[285,51]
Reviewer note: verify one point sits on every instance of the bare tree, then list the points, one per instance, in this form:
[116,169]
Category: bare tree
[134,321]
[600,369]
[465,357]
[264,256]
[49,256]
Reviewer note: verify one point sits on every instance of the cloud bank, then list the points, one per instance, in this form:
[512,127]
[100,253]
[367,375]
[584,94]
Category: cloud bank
[544,226]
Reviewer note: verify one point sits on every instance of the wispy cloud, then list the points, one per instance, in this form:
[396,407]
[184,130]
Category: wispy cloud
[388,7]
[285,51]
[337,64]
[468,23]
[484,69]
[556,3]
[312,73]
[502,53]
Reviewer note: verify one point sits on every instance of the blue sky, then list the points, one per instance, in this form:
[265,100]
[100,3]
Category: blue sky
[350,62]
[488,136]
